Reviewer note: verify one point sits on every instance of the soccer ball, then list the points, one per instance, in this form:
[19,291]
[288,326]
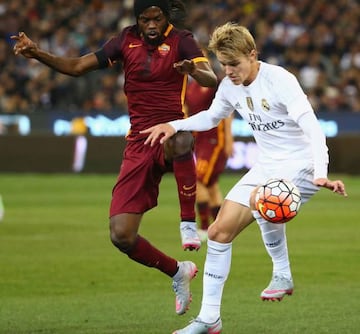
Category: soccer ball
[278,201]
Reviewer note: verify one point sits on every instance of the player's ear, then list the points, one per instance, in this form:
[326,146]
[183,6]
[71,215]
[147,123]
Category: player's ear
[253,54]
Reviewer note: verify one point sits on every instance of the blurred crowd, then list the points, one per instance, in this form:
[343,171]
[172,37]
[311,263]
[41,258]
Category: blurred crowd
[317,40]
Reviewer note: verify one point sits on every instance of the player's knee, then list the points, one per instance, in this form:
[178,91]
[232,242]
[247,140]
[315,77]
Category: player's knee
[216,233]
[183,143]
[212,232]
[121,237]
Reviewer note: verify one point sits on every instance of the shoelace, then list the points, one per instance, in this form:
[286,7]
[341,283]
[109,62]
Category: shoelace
[175,286]
[277,282]
[188,230]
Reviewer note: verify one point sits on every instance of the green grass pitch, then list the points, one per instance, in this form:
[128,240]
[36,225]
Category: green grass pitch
[59,273]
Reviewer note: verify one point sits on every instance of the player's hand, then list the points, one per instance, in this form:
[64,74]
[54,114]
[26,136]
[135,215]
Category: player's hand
[164,130]
[24,45]
[336,186]
[185,66]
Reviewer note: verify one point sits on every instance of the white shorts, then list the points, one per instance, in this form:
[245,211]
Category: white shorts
[299,172]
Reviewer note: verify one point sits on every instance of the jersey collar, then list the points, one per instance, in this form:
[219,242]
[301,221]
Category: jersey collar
[168,29]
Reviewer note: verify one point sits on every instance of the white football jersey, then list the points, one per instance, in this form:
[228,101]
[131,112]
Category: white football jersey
[272,105]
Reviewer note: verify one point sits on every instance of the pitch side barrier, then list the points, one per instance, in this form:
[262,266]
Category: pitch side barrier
[89,154]
[113,124]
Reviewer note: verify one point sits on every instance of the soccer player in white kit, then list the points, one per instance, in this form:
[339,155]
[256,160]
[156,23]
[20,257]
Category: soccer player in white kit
[291,146]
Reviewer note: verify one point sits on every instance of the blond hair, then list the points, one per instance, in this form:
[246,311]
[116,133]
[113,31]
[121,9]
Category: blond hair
[232,40]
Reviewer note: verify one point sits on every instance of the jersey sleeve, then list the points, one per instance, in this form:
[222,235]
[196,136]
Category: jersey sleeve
[110,52]
[219,109]
[189,49]
[312,129]
[292,95]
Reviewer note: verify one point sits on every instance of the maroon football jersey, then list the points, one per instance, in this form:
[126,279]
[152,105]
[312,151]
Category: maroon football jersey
[155,90]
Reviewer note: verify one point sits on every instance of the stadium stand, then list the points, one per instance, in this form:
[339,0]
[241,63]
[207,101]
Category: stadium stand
[317,40]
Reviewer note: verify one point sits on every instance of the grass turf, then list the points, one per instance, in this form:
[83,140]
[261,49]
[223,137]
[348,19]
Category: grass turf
[59,274]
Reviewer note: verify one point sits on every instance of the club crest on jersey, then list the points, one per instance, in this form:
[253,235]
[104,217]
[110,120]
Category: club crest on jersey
[164,49]
[265,105]
[250,103]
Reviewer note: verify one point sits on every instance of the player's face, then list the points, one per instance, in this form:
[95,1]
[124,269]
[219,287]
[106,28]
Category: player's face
[152,23]
[241,69]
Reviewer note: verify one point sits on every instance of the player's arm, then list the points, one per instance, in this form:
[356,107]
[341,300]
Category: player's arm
[207,119]
[311,127]
[301,111]
[201,71]
[71,66]
[194,61]
[201,121]
[229,139]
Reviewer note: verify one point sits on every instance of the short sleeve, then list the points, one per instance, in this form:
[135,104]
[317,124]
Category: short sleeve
[188,47]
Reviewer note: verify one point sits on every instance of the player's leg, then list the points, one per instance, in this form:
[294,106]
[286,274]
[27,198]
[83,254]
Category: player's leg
[216,199]
[208,201]
[216,196]
[203,209]
[210,163]
[274,235]
[231,220]
[136,191]
[275,242]
[179,150]
[125,237]
[274,238]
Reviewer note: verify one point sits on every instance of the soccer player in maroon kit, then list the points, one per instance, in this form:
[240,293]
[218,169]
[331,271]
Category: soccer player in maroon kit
[156,58]
[212,149]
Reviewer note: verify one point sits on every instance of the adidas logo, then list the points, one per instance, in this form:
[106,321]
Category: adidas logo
[238,106]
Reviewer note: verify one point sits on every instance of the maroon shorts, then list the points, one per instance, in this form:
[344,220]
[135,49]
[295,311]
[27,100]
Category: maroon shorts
[210,159]
[137,186]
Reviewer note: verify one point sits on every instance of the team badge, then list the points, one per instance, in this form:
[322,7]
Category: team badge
[164,49]
[265,105]
[250,103]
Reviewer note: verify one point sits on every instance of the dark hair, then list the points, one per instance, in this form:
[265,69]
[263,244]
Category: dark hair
[178,14]
[141,5]
[174,10]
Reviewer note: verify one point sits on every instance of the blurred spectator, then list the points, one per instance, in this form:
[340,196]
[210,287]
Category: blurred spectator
[317,40]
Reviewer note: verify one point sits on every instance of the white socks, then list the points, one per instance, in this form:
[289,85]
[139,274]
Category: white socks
[274,238]
[216,271]
[218,262]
